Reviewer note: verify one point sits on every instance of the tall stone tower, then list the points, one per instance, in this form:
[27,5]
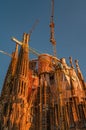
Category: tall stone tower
[7,89]
[14,113]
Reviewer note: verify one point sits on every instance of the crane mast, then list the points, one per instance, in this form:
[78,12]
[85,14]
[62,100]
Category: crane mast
[52,25]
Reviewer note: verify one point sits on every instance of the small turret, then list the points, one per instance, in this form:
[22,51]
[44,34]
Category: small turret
[71,62]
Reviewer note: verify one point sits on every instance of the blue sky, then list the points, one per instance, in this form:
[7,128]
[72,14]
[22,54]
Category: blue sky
[19,16]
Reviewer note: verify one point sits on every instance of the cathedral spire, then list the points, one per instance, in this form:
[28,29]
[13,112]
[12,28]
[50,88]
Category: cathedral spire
[10,73]
[80,76]
[20,87]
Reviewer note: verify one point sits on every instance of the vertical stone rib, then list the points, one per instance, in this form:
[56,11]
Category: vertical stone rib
[10,74]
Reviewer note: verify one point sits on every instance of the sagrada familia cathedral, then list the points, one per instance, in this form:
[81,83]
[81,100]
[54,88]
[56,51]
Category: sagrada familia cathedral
[43,93]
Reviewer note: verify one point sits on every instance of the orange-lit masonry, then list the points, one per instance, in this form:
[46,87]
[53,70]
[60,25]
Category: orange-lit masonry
[42,94]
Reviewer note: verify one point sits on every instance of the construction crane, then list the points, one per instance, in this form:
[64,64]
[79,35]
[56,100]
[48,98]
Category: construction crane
[30,48]
[33,27]
[30,32]
[52,25]
[33,51]
[5,53]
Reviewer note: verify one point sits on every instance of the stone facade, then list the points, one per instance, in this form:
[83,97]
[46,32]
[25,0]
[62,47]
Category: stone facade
[42,94]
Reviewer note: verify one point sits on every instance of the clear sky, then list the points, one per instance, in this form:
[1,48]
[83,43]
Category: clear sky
[18,16]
